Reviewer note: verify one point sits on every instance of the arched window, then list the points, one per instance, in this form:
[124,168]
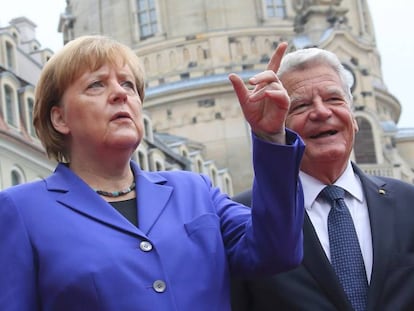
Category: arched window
[253,46]
[30,127]
[364,147]
[213,176]
[173,60]
[160,66]
[11,106]
[16,176]
[159,166]
[199,166]
[10,56]
[227,185]
[148,132]
[239,49]
[268,46]
[142,160]
[186,56]
[200,54]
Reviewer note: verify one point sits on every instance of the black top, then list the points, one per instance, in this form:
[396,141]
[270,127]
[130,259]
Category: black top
[127,209]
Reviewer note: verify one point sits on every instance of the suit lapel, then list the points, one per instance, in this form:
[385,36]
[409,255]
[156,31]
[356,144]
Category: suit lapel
[380,207]
[380,203]
[318,265]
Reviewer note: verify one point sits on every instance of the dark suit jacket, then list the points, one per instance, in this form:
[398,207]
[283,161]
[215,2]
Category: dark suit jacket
[313,286]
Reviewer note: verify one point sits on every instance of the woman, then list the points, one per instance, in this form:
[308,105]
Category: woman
[101,234]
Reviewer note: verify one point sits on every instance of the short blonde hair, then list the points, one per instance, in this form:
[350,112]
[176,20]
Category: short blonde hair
[86,53]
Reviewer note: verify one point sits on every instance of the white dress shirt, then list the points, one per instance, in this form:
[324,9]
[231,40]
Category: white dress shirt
[318,211]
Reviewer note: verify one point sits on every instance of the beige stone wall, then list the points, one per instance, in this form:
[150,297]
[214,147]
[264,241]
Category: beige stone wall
[199,42]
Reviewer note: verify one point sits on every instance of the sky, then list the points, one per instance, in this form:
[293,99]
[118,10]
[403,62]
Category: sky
[393,22]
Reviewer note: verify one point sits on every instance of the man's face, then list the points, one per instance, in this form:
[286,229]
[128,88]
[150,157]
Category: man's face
[321,114]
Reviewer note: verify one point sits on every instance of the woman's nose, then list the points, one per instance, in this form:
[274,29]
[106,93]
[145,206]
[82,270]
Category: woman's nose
[118,94]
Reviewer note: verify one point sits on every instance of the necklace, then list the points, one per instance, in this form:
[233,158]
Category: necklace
[115,194]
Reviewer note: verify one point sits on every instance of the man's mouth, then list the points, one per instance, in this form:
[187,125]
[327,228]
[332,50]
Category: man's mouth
[324,134]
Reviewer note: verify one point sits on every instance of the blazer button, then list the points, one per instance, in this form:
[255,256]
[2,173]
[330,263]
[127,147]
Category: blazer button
[145,246]
[159,286]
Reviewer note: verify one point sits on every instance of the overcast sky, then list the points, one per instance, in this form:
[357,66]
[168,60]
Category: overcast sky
[393,22]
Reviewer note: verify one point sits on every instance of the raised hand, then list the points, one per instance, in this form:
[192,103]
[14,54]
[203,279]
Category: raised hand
[265,107]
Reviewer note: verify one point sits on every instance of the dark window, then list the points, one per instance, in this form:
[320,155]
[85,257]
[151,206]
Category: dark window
[275,8]
[364,148]
[147,18]
[11,105]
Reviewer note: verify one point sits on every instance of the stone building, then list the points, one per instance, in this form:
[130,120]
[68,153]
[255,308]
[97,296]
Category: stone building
[189,47]
[22,157]
[21,59]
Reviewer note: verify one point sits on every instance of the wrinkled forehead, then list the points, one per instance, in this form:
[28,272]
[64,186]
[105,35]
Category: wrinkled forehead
[310,76]
[91,63]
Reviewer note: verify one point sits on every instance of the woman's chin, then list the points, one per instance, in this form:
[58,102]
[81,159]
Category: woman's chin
[124,142]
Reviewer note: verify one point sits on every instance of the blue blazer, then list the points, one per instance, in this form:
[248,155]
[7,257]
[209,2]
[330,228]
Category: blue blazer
[62,247]
[314,285]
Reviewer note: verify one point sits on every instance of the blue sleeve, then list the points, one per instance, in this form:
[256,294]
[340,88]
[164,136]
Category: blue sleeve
[17,271]
[272,239]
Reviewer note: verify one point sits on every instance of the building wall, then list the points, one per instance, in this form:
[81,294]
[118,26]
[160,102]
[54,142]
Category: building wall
[22,157]
[192,46]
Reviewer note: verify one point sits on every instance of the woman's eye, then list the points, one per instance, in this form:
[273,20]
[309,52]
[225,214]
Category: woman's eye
[128,84]
[95,84]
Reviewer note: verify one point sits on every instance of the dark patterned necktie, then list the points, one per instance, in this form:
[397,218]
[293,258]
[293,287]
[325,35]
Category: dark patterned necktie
[346,256]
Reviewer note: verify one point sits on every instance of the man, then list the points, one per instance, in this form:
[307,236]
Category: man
[381,208]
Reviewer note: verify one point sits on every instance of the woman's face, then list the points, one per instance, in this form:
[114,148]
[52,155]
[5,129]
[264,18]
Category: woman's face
[101,111]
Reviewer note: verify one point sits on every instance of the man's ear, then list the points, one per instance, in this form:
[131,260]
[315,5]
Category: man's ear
[356,127]
[58,120]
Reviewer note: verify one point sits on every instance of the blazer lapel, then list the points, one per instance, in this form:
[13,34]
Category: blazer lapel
[152,198]
[74,193]
[318,265]
[380,208]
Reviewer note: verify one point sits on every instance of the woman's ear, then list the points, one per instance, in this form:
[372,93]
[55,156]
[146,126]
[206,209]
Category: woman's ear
[58,120]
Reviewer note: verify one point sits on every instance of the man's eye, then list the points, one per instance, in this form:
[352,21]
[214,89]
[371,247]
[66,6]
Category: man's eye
[335,100]
[299,107]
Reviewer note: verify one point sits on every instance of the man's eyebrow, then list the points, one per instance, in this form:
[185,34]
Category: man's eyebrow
[297,98]
[334,90]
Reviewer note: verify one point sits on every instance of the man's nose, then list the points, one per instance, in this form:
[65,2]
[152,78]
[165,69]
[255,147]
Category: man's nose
[320,109]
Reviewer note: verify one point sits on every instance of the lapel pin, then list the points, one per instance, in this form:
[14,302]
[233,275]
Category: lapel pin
[381,191]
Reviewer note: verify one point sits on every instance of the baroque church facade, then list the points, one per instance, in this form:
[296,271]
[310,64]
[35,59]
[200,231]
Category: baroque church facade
[188,48]
[22,157]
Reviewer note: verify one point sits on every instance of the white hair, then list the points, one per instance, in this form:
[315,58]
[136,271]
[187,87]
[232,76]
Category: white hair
[305,58]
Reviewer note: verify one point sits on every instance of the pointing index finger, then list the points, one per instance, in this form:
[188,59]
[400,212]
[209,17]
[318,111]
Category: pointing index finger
[277,56]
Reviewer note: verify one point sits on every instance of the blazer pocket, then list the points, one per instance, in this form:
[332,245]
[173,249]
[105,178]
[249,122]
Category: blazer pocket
[205,232]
